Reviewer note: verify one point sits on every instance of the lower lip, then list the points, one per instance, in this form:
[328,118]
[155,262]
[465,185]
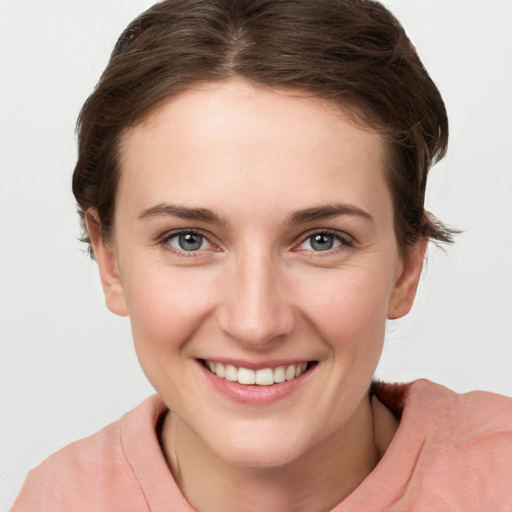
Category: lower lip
[254,394]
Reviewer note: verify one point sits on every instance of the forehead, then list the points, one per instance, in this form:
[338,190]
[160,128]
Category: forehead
[237,140]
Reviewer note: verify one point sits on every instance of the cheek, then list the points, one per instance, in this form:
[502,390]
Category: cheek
[348,306]
[166,306]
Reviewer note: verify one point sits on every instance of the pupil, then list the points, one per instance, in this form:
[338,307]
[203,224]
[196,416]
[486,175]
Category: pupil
[322,242]
[190,241]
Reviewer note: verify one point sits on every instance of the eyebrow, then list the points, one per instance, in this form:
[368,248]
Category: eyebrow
[182,212]
[326,212]
[294,218]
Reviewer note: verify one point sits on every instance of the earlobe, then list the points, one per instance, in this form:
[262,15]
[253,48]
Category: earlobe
[108,266]
[404,291]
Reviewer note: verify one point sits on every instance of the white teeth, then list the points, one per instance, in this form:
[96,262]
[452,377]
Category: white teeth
[231,373]
[290,372]
[219,369]
[265,377]
[262,377]
[246,376]
[279,375]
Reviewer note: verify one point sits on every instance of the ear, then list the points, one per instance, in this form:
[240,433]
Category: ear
[108,266]
[404,291]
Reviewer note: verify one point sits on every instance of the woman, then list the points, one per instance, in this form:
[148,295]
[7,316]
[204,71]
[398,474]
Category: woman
[251,179]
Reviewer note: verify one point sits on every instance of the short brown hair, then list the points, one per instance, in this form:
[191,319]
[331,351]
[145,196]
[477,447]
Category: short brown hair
[352,52]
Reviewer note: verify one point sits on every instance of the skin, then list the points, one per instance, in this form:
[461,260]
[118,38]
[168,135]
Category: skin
[257,290]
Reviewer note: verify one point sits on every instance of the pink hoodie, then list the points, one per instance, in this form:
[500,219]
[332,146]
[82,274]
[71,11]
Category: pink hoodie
[451,453]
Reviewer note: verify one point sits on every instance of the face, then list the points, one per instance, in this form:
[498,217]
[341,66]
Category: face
[254,251]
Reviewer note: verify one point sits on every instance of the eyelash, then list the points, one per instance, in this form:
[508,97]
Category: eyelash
[164,241]
[344,240]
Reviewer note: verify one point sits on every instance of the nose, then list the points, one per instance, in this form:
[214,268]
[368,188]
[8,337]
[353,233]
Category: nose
[256,309]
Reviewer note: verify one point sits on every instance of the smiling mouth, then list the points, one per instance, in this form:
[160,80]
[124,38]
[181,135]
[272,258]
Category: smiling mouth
[261,377]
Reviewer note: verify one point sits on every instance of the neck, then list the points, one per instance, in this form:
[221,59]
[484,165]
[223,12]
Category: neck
[317,480]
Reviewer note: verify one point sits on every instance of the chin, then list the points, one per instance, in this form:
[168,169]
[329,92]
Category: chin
[260,458]
[261,451]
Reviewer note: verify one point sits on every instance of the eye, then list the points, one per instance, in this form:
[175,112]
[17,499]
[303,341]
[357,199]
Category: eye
[188,241]
[324,241]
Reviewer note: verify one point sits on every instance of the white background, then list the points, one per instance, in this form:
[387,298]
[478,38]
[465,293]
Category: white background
[67,366]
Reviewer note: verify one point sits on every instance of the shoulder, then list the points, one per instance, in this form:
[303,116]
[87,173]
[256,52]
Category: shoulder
[94,473]
[473,427]
[464,414]
[477,421]
[460,418]
[462,443]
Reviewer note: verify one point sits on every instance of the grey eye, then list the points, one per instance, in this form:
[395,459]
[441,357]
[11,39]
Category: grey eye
[321,242]
[189,241]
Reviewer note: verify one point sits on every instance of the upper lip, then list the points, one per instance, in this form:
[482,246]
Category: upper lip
[256,365]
